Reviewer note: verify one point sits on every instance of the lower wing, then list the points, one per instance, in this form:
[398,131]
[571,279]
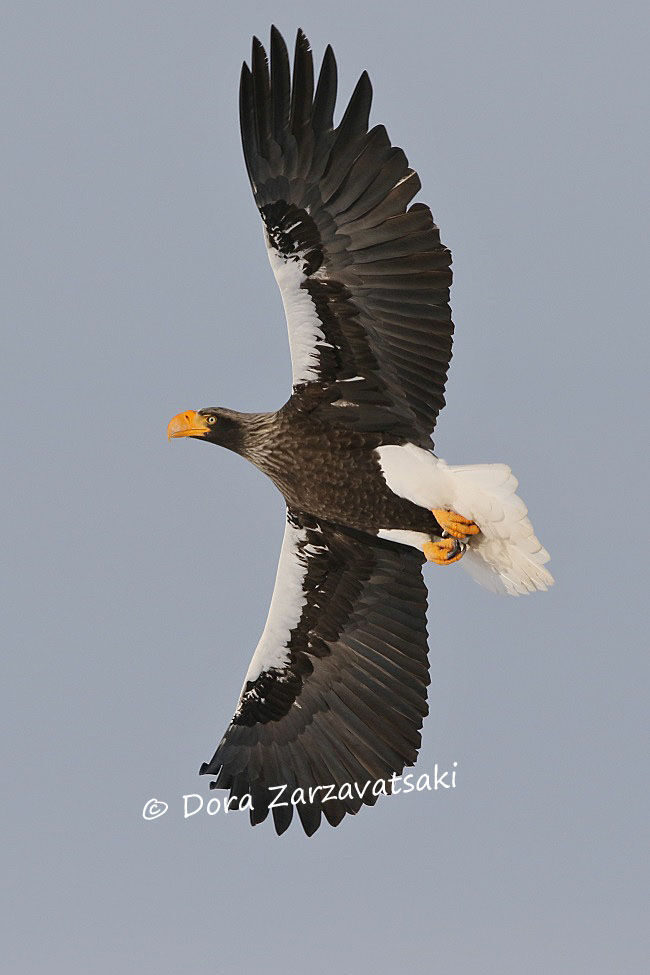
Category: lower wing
[335,694]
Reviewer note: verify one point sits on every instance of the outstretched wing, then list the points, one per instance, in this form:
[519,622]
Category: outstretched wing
[364,280]
[335,694]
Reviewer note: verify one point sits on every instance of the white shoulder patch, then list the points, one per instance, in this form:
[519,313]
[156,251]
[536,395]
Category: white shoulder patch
[286,607]
[304,326]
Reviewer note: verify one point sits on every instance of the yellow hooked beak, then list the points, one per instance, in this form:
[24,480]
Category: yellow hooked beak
[188,424]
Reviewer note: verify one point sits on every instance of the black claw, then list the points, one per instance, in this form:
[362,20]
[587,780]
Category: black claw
[458,547]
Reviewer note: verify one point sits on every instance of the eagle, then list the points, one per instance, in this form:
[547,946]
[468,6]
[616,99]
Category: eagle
[336,692]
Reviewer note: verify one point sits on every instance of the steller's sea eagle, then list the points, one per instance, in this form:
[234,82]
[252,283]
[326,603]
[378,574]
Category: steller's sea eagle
[336,692]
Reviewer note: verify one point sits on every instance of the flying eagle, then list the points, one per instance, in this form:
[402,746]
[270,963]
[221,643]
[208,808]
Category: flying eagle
[336,692]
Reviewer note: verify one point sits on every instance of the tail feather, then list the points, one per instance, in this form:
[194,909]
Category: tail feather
[506,557]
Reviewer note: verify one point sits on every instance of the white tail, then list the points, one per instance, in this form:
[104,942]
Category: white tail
[506,557]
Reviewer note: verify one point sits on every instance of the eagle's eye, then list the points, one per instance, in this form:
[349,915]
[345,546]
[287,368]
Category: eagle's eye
[211,419]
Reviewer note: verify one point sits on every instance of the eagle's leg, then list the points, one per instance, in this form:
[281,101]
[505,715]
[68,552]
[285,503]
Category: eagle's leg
[454,524]
[443,551]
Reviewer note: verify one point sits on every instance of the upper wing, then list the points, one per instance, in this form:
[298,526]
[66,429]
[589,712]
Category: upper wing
[364,280]
[336,690]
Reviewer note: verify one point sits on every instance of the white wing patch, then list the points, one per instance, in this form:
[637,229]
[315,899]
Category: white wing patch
[304,326]
[286,607]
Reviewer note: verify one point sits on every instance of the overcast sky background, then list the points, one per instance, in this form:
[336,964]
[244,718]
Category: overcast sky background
[138,574]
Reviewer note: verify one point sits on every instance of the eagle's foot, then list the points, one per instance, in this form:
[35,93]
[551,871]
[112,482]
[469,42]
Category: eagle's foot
[443,551]
[454,524]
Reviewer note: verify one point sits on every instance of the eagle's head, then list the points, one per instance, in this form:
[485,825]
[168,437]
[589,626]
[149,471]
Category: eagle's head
[214,424]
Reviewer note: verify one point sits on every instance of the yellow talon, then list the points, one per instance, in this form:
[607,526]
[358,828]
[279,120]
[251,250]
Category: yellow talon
[454,524]
[443,551]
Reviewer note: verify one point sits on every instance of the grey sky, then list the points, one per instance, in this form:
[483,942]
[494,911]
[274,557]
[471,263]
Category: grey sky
[138,574]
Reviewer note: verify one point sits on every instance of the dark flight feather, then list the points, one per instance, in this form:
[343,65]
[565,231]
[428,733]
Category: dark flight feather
[348,191]
[347,705]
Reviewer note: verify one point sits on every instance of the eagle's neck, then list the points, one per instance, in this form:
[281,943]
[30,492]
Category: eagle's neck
[253,435]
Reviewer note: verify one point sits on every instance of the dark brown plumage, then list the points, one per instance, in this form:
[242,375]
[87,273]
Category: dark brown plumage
[328,471]
[335,694]
[347,698]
